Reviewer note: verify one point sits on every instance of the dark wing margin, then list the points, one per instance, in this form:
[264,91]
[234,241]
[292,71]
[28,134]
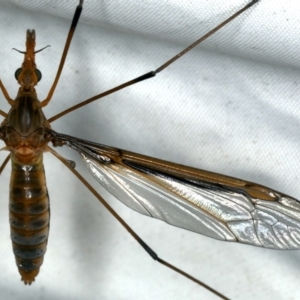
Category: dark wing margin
[215,205]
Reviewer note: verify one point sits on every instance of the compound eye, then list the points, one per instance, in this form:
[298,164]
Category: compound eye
[38,74]
[17,73]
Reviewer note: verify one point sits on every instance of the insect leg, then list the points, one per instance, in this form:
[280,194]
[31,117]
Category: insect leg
[162,67]
[130,230]
[3,114]
[5,93]
[4,163]
[65,52]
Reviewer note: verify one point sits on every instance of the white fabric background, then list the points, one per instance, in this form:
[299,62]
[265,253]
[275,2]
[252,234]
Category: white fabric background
[230,106]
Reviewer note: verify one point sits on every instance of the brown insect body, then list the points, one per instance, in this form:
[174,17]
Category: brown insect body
[175,191]
[24,129]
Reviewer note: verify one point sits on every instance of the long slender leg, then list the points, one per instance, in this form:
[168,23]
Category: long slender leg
[65,52]
[2,113]
[5,93]
[162,67]
[130,230]
[4,163]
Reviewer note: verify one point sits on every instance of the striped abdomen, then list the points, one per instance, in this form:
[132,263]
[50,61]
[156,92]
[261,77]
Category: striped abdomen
[29,216]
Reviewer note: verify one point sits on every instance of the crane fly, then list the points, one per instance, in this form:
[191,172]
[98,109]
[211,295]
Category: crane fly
[138,165]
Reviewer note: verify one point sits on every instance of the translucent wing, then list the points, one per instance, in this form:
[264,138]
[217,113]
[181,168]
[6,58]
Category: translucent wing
[215,205]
